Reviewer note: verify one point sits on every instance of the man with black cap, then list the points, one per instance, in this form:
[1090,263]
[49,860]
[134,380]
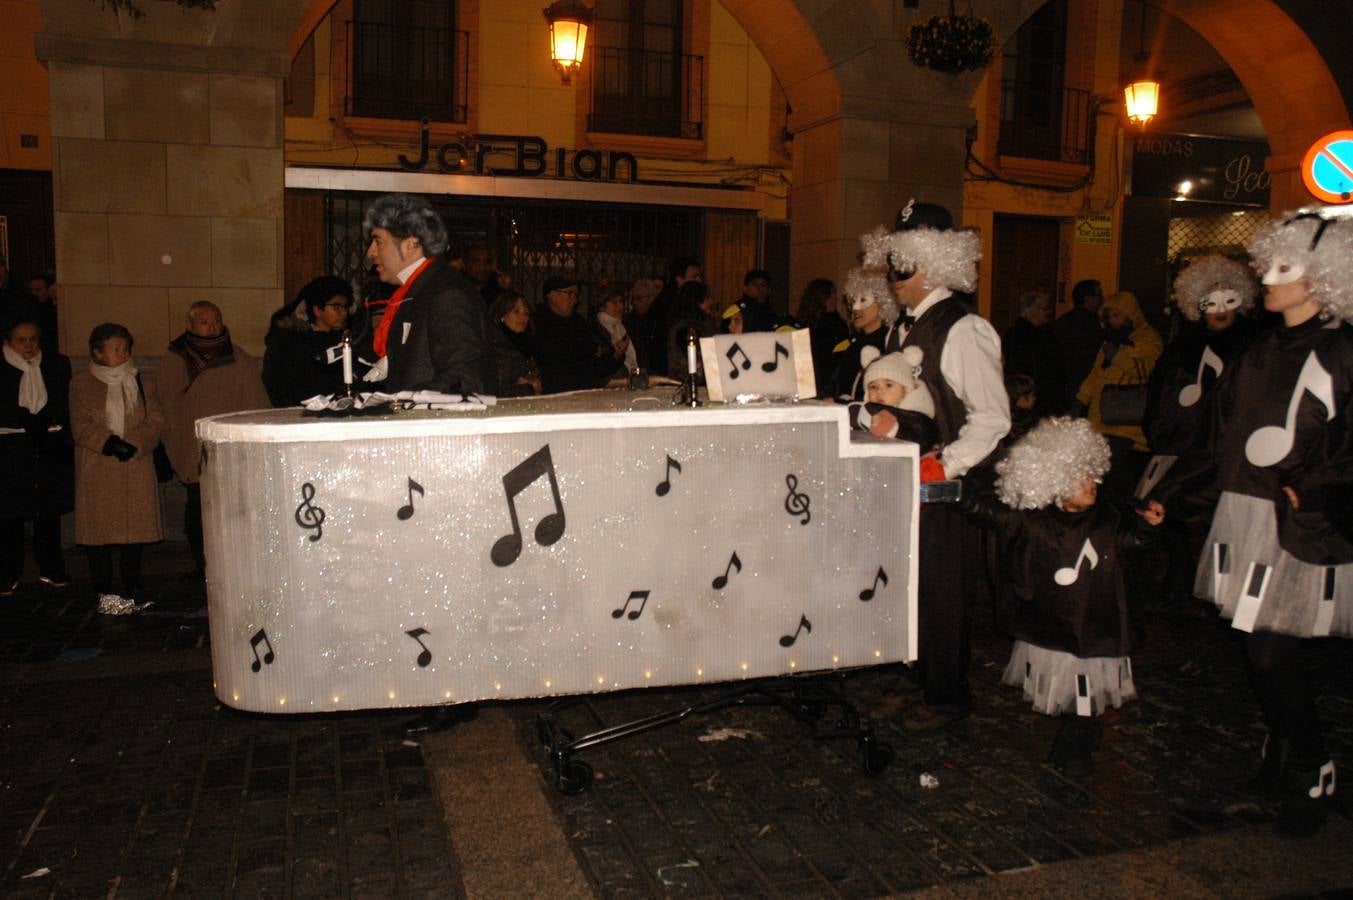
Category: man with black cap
[928,263]
[567,350]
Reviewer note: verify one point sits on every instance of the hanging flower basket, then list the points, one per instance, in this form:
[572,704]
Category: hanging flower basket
[951,43]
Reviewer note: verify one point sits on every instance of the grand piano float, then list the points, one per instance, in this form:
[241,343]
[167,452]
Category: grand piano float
[563,546]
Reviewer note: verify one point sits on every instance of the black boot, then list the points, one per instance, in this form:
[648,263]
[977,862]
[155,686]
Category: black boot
[1071,748]
[1308,796]
[1269,779]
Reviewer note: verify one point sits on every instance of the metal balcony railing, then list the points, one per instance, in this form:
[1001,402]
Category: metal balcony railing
[403,72]
[1042,123]
[646,92]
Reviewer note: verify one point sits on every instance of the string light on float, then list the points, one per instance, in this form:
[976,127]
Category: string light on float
[569,21]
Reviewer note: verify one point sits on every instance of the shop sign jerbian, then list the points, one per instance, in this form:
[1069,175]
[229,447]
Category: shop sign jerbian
[519,156]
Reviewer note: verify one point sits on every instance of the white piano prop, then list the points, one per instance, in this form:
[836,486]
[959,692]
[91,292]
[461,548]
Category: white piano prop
[591,542]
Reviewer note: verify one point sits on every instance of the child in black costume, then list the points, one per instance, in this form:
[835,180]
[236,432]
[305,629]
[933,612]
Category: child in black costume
[1067,563]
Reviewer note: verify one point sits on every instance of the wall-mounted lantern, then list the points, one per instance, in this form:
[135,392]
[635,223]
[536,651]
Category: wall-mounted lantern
[569,21]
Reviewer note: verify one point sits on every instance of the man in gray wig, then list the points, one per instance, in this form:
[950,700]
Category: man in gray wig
[433,335]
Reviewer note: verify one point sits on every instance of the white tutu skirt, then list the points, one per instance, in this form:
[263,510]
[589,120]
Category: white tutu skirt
[1261,587]
[1057,682]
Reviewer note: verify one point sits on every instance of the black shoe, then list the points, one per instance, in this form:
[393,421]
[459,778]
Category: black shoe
[9,590]
[59,580]
[1071,749]
[1308,797]
[1269,779]
[439,718]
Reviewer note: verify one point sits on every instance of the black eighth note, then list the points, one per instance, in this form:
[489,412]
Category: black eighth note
[881,578]
[406,511]
[261,638]
[721,581]
[308,515]
[796,504]
[550,528]
[641,596]
[775,360]
[426,656]
[788,640]
[666,484]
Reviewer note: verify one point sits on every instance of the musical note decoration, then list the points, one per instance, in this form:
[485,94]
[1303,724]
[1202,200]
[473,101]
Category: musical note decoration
[261,638]
[1068,575]
[641,596]
[308,515]
[721,581]
[426,656]
[666,484]
[881,578]
[746,363]
[549,529]
[406,511]
[1269,445]
[780,350]
[796,504]
[1325,787]
[1192,393]
[787,640]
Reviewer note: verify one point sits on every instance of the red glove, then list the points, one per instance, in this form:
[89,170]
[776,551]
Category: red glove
[931,469]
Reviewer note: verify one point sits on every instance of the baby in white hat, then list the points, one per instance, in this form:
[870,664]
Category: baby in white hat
[897,402]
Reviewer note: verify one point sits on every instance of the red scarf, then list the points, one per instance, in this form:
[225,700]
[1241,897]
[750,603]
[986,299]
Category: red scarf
[391,307]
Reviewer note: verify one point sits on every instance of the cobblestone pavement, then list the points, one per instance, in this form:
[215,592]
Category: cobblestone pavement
[142,785]
[121,776]
[744,803]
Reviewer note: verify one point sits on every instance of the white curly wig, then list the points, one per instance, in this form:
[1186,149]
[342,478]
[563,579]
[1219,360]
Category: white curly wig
[1051,462]
[1214,283]
[1313,244]
[865,286]
[948,258]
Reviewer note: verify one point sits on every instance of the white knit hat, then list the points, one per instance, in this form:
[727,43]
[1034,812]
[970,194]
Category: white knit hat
[903,368]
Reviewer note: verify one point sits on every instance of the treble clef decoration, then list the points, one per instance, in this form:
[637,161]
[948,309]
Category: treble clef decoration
[796,503]
[308,515]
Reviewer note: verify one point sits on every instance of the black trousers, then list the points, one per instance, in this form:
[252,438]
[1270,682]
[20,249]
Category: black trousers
[192,524]
[46,548]
[951,561]
[1274,665]
[101,566]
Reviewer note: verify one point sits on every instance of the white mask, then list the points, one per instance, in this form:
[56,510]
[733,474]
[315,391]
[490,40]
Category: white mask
[1220,301]
[1284,271]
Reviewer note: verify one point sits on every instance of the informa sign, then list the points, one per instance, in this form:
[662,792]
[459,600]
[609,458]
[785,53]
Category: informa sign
[1094,228]
[1327,169]
[587,542]
[1189,167]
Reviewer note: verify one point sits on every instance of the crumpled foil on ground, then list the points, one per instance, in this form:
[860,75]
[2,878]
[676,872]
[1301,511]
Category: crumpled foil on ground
[114,605]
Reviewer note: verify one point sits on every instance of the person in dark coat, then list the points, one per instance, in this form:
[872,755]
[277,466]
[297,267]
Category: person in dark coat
[1067,597]
[37,455]
[873,326]
[433,335]
[570,354]
[680,271]
[296,365]
[513,345]
[695,310]
[643,323]
[1079,334]
[1029,347]
[819,312]
[757,314]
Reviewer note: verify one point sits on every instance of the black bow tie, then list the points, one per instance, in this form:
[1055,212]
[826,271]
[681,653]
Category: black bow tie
[907,321]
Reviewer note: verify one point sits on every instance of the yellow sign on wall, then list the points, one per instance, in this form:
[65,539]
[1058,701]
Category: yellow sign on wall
[1095,228]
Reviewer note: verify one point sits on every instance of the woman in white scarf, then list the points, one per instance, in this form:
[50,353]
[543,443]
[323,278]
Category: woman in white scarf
[608,318]
[116,419]
[35,473]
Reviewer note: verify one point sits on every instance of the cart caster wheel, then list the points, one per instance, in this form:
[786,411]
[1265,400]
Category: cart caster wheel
[875,757]
[573,777]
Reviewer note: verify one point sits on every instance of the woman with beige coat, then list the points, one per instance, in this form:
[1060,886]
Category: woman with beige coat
[116,421]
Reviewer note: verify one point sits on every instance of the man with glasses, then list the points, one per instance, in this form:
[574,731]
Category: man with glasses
[296,365]
[570,356]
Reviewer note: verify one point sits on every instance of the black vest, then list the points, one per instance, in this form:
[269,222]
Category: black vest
[930,333]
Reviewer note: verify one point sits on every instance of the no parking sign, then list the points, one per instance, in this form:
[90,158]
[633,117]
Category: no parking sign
[1327,169]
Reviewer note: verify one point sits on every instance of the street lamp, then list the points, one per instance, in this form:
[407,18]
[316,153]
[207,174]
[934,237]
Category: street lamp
[1142,95]
[569,21]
